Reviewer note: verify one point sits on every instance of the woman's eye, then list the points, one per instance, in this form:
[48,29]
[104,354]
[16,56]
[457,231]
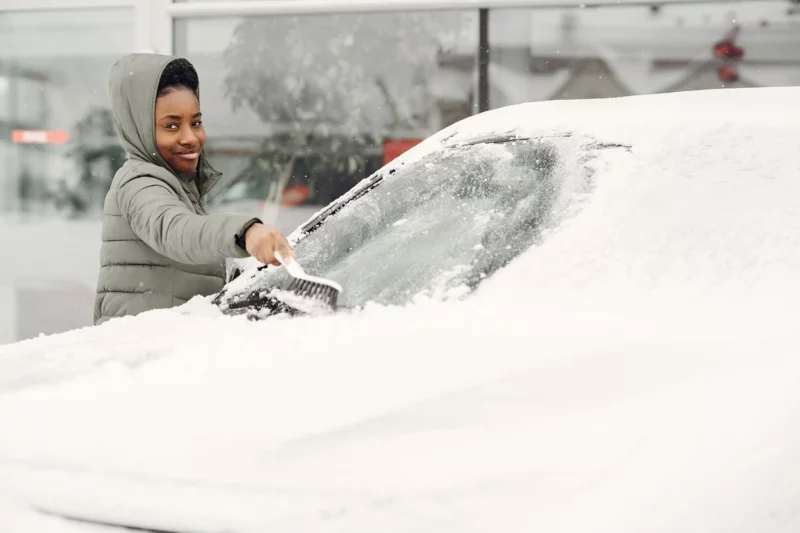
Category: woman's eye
[172,126]
[198,123]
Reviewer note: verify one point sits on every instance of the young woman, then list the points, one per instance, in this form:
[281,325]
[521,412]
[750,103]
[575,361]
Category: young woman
[159,247]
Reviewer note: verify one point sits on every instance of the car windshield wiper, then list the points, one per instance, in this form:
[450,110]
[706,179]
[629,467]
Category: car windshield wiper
[336,207]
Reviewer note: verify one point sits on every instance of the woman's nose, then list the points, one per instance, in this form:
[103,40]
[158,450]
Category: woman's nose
[188,137]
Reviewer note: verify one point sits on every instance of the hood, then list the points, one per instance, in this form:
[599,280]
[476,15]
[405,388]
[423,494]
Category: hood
[133,83]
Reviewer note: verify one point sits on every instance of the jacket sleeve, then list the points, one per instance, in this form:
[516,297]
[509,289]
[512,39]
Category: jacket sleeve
[158,216]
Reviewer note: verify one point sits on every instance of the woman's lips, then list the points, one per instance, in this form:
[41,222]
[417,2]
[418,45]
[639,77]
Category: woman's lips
[189,155]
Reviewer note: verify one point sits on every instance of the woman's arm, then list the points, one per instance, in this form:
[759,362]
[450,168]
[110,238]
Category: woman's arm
[158,216]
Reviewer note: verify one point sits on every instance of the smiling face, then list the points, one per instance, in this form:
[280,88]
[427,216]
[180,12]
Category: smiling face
[179,128]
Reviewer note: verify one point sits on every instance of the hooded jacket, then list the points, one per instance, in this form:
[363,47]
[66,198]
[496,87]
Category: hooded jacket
[159,247]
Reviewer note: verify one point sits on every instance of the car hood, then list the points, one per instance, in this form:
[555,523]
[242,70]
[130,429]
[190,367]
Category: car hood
[621,435]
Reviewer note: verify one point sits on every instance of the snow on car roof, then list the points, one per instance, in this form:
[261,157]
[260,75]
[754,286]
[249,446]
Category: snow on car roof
[635,372]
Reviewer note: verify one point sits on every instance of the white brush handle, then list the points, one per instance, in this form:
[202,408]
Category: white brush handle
[293,267]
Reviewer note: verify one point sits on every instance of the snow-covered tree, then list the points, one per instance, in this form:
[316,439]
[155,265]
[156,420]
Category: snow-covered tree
[96,152]
[333,84]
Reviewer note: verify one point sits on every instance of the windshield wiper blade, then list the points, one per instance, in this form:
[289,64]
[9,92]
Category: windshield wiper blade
[335,208]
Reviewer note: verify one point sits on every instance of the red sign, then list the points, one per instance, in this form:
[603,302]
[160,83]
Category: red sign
[39,136]
[393,148]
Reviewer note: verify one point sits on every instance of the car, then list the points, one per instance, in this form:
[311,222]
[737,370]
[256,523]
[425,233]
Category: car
[568,316]
[254,191]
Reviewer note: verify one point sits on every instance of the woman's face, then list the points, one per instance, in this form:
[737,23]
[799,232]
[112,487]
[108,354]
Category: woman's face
[179,129]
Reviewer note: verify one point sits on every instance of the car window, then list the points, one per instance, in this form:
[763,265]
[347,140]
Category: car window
[253,176]
[435,227]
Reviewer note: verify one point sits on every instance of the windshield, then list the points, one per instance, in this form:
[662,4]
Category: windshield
[435,227]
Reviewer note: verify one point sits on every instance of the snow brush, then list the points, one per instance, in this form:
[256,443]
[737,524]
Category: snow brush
[308,289]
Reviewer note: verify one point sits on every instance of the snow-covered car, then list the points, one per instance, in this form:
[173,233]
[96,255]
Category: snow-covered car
[572,316]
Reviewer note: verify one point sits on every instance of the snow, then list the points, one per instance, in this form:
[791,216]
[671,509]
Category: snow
[519,87]
[17,518]
[772,75]
[450,84]
[635,372]
[637,73]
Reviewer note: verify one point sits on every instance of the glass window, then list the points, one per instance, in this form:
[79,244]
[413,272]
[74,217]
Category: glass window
[436,227]
[58,153]
[54,70]
[619,51]
[300,109]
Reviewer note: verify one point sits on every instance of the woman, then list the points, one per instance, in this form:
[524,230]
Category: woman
[159,247]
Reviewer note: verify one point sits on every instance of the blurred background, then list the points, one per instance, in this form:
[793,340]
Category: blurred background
[302,99]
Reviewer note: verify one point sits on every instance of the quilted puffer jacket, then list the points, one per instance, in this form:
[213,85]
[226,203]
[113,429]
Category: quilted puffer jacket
[159,246]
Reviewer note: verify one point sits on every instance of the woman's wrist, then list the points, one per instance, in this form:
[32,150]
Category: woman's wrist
[241,236]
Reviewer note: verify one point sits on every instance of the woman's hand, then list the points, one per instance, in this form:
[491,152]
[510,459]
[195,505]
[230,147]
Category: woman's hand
[263,241]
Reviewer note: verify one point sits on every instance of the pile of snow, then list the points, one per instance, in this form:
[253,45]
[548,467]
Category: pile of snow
[635,372]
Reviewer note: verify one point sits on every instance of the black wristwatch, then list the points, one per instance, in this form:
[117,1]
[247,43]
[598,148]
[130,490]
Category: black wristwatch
[240,238]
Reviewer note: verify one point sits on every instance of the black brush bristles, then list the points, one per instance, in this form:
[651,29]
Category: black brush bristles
[315,290]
